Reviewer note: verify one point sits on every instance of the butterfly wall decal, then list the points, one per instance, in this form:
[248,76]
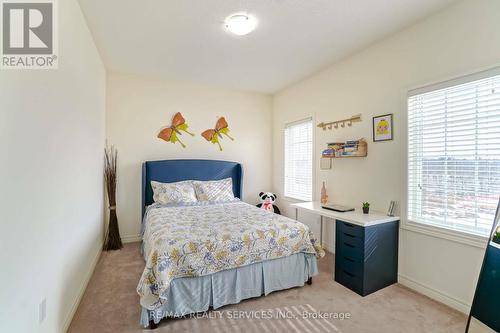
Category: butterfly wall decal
[172,133]
[213,135]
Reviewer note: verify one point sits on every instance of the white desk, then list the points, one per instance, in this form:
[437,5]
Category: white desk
[355,217]
[366,247]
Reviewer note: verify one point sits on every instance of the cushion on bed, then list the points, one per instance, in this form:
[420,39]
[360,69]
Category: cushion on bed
[169,193]
[214,190]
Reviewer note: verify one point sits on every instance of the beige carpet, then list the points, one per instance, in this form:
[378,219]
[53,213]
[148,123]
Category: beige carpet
[110,304]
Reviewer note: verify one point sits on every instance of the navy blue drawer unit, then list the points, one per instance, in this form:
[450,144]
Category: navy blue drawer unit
[366,258]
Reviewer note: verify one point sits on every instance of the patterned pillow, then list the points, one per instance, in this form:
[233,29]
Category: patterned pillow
[214,190]
[168,193]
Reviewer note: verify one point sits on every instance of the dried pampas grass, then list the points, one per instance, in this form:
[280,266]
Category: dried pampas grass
[113,240]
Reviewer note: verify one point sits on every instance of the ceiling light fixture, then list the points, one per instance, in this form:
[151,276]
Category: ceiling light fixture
[240,23]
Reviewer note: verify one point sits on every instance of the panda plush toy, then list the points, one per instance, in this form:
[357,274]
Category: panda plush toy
[267,202]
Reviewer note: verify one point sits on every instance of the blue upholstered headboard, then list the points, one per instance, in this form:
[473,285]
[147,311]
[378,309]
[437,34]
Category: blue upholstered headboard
[169,171]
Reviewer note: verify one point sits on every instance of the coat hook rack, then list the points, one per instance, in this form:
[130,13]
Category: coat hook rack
[342,123]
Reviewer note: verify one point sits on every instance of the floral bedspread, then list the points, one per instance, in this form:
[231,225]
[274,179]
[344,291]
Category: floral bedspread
[198,240]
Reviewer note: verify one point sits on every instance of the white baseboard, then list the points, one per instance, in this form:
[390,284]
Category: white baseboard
[131,238]
[78,298]
[437,295]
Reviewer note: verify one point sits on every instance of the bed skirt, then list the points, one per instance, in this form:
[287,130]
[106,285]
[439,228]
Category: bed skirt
[197,294]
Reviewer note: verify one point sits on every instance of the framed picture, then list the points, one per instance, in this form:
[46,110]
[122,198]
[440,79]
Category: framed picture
[382,128]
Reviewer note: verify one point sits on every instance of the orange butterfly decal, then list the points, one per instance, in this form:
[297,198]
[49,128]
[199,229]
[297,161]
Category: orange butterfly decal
[172,133]
[213,135]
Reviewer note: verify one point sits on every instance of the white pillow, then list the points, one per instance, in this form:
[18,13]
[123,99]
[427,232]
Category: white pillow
[168,193]
[214,190]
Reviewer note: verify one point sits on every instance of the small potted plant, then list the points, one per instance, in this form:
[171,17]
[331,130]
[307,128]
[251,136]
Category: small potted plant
[366,207]
[496,235]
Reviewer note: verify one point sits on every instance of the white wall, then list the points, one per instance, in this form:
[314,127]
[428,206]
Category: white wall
[137,108]
[461,39]
[52,126]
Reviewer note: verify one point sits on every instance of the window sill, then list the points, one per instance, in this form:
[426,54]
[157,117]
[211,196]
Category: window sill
[294,200]
[448,234]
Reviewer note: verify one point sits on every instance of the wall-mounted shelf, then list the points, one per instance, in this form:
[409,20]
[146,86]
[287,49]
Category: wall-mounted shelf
[355,148]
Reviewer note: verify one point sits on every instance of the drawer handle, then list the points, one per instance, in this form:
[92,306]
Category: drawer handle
[348,225]
[350,274]
[350,245]
[349,235]
[349,259]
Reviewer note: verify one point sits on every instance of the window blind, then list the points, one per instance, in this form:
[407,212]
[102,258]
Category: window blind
[454,154]
[298,160]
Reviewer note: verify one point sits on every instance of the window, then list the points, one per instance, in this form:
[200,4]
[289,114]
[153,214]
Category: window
[298,160]
[454,153]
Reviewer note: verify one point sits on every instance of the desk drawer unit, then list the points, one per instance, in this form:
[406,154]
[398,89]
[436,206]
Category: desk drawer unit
[366,258]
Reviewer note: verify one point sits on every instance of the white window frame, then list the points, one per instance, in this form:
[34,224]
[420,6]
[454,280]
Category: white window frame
[287,196]
[467,238]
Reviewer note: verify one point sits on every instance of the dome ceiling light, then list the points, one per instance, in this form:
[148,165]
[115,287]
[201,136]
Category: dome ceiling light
[240,23]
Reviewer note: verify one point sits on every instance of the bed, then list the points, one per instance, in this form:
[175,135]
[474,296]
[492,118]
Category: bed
[209,254]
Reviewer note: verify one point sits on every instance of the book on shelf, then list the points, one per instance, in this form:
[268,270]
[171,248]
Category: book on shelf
[329,152]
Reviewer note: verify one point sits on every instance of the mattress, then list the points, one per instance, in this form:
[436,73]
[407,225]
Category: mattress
[204,238]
